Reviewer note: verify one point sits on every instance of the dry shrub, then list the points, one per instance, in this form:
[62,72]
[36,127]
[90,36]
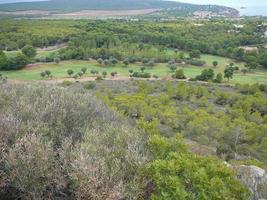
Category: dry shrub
[61,143]
[31,168]
[108,163]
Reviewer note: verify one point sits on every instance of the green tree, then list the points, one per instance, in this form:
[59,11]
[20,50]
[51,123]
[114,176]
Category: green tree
[142,69]
[229,73]
[43,74]
[172,67]
[3,60]
[126,62]
[219,78]
[48,73]
[104,74]
[206,75]
[215,63]
[20,61]
[70,72]
[179,74]
[83,70]
[113,74]
[57,60]
[195,54]
[29,51]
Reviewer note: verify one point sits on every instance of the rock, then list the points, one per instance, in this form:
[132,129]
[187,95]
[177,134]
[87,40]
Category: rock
[255,179]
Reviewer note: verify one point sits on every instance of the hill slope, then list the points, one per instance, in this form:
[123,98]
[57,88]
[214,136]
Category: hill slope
[77,5]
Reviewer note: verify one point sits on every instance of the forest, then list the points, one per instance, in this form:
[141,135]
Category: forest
[133,109]
[134,41]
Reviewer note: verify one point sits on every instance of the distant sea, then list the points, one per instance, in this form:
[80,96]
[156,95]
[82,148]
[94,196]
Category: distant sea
[253,10]
[245,7]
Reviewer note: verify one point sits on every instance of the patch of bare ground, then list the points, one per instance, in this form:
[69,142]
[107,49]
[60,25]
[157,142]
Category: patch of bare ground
[33,66]
[52,48]
[27,12]
[199,149]
[107,13]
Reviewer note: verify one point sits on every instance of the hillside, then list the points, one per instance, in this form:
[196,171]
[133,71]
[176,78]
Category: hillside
[69,5]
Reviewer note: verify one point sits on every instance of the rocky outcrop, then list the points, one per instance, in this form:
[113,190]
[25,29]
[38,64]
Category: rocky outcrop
[255,179]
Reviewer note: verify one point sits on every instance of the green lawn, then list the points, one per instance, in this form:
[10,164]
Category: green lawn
[161,70]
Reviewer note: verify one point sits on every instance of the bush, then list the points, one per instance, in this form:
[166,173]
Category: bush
[83,70]
[79,148]
[206,75]
[57,60]
[179,74]
[29,51]
[108,164]
[195,54]
[66,83]
[196,62]
[99,78]
[141,75]
[90,86]
[94,72]
[104,74]
[100,61]
[178,174]
[70,72]
[219,78]
[32,168]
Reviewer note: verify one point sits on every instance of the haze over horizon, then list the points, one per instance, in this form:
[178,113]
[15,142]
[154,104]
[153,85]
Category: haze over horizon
[234,3]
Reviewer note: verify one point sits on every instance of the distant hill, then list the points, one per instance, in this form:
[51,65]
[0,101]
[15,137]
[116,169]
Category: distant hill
[77,5]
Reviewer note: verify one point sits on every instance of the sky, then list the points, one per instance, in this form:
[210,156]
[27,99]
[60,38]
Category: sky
[233,3]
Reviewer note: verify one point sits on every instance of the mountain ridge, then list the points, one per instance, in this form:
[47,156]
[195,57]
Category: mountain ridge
[77,5]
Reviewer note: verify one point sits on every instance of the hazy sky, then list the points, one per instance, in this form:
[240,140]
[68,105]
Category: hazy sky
[230,2]
[234,3]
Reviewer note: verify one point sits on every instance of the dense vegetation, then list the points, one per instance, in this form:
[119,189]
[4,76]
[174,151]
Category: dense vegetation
[73,146]
[66,5]
[233,123]
[142,41]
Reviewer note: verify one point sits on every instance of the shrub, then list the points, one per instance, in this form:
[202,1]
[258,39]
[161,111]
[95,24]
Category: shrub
[126,62]
[113,74]
[173,67]
[195,54]
[70,72]
[83,70]
[179,74]
[206,75]
[107,164]
[219,78]
[195,62]
[100,61]
[141,75]
[29,51]
[43,74]
[57,60]
[215,63]
[66,83]
[178,174]
[104,74]
[94,72]
[90,86]
[32,169]
[106,62]
[113,60]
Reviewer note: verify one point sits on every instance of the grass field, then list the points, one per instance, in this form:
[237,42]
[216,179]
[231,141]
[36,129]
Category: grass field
[160,69]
